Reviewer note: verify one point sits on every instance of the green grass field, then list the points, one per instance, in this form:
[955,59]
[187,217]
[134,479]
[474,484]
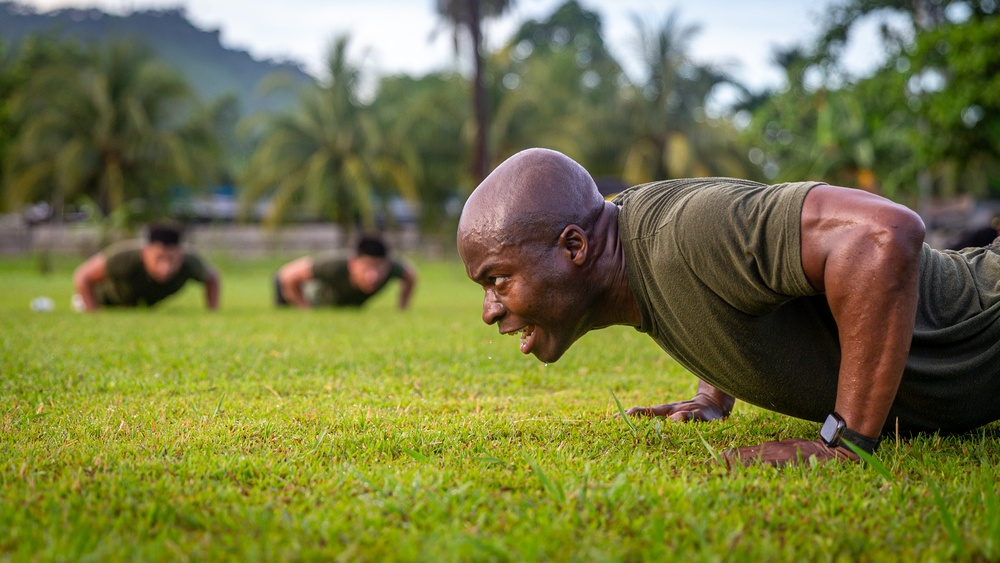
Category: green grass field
[260,434]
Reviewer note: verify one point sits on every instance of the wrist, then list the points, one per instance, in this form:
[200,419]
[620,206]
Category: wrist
[835,433]
[724,407]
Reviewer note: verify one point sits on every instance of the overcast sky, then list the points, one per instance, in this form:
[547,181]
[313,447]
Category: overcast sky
[399,35]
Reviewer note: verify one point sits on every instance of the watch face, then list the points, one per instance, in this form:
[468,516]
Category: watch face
[831,429]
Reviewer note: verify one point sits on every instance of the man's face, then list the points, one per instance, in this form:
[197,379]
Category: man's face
[529,291]
[162,262]
[368,272]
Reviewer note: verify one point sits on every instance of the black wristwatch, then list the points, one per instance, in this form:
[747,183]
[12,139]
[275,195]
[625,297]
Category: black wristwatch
[835,432]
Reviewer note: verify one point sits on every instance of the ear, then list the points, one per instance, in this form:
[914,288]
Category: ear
[573,241]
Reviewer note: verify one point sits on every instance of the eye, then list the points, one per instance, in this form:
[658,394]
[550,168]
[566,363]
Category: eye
[498,281]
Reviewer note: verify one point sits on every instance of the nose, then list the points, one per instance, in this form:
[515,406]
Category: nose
[492,309]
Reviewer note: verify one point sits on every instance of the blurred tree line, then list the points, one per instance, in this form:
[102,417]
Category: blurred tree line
[112,126]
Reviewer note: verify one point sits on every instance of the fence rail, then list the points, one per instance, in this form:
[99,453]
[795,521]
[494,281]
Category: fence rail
[238,241]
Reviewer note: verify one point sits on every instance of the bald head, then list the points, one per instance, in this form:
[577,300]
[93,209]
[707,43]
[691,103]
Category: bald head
[532,195]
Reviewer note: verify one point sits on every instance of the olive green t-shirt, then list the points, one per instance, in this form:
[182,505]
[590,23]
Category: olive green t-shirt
[127,283]
[334,286]
[715,265]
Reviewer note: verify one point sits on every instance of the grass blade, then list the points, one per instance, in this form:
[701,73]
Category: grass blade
[553,488]
[711,451]
[491,460]
[416,455]
[218,406]
[949,522]
[623,416]
[318,441]
[872,461]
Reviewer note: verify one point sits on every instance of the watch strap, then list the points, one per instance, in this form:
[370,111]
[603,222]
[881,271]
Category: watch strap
[863,442]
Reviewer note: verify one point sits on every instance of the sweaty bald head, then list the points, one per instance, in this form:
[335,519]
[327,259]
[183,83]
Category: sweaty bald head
[531,196]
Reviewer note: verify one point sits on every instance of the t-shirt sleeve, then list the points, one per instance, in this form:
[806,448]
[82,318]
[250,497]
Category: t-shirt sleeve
[397,269]
[195,268]
[118,265]
[324,268]
[745,245]
[122,259]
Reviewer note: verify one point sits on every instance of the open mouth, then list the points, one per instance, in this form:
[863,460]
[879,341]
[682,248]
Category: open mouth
[526,338]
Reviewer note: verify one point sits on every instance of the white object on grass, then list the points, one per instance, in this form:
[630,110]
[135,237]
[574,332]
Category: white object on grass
[42,304]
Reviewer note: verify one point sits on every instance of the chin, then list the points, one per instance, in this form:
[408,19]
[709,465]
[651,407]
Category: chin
[547,356]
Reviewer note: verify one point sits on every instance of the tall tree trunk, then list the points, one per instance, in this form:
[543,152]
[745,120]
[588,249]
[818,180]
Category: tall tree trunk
[479,155]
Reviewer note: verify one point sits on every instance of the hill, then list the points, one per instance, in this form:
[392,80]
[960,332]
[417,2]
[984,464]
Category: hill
[198,54]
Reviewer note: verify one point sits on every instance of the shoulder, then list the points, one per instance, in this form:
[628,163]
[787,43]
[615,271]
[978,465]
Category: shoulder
[330,257]
[197,267]
[327,264]
[696,196]
[121,256]
[123,248]
[398,268]
[681,185]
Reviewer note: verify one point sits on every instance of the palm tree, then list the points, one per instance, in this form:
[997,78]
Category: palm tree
[326,156]
[469,15]
[673,135]
[112,125]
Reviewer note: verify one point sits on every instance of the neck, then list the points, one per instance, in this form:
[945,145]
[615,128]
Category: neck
[615,304]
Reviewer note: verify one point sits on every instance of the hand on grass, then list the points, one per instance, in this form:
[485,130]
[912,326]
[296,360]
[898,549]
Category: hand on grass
[787,452]
[701,408]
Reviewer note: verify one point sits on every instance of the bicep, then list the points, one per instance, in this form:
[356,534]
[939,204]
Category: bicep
[296,272]
[92,271]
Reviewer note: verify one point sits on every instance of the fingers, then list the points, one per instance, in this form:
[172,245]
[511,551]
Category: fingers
[659,410]
[685,416]
[639,411]
[679,412]
[786,452]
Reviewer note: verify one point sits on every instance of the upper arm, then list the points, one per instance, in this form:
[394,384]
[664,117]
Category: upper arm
[199,269]
[211,275]
[847,231]
[409,275]
[93,270]
[296,272]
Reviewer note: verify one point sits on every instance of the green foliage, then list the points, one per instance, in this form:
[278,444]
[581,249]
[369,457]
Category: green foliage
[340,156]
[671,134]
[553,84]
[213,70]
[252,433]
[426,119]
[110,123]
[930,109]
[965,113]
[327,156]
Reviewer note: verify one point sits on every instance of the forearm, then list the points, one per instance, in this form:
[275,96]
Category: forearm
[292,292]
[404,296]
[86,292]
[212,290]
[874,300]
[871,368]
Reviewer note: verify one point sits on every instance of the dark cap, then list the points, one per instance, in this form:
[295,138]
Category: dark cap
[165,234]
[371,246]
